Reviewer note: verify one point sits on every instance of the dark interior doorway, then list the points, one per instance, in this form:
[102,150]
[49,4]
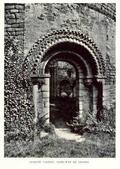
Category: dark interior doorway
[63,92]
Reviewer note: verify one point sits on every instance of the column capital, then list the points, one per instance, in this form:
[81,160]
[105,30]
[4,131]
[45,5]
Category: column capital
[46,75]
[98,78]
[39,79]
[34,80]
[88,81]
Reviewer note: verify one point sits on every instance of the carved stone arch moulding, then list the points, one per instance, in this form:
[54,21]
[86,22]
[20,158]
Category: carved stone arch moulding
[41,47]
[67,56]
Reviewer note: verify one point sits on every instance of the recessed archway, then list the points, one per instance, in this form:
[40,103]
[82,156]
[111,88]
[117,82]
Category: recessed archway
[85,68]
[63,91]
[78,50]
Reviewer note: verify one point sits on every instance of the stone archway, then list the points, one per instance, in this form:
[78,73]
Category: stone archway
[63,90]
[81,51]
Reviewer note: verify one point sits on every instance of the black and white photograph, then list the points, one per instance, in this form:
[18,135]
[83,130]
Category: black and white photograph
[59,70]
[59,80]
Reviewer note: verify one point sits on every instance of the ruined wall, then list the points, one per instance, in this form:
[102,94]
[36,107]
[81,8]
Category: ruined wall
[25,24]
[18,114]
[43,18]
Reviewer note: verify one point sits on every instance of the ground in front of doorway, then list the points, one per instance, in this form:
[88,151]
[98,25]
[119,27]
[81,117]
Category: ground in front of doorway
[87,145]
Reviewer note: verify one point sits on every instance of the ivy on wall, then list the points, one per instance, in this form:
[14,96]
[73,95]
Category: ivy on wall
[18,102]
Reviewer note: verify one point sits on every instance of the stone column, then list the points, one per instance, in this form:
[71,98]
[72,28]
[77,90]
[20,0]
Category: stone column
[84,97]
[40,96]
[89,86]
[106,94]
[35,102]
[53,72]
[80,98]
[77,94]
[95,97]
[35,96]
[45,89]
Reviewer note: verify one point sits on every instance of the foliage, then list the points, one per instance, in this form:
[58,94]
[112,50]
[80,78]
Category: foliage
[18,105]
[92,125]
[98,145]
[42,125]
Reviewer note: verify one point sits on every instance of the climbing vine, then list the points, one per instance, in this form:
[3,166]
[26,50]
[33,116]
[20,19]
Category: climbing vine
[17,96]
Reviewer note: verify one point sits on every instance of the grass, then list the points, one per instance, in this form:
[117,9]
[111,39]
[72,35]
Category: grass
[95,145]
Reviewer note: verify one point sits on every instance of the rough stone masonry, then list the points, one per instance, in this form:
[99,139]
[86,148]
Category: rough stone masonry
[26,37]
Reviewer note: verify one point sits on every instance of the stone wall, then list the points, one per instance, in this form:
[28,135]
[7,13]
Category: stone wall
[25,24]
[17,103]
[43,18]
[95,20]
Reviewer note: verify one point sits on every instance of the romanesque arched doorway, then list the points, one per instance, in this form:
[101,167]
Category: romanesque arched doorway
[81,52]
[64,103]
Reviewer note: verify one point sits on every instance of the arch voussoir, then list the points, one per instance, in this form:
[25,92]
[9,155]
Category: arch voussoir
[43,44]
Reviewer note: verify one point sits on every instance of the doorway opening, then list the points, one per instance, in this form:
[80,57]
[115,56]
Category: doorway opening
[63,92]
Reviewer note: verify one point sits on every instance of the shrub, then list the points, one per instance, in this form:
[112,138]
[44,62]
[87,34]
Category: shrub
[92,125]
[41,125]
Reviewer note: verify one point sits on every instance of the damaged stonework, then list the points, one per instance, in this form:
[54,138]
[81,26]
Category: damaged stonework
[36,35]
[80,50]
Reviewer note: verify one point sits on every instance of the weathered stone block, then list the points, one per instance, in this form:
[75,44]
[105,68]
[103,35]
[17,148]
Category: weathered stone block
[46,104]
[9,6]
[14,10]
[18,29]
[19,15]
[18,25]
[19,34]
[10,29]
[10,16]
[45,88]
[12,33]
[45,94]
[20,6]
[7,26]
[11,21]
